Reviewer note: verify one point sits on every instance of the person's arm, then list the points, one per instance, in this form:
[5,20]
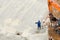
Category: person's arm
[36,22]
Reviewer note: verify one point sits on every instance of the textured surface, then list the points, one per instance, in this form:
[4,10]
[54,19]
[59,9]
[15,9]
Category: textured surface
[20,15]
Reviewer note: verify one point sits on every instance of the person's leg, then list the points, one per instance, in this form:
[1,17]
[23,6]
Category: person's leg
[38,28]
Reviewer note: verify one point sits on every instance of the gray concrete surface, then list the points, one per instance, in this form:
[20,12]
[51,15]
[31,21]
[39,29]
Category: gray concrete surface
[21,15]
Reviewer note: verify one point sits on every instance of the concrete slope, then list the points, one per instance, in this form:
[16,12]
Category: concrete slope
[20,15]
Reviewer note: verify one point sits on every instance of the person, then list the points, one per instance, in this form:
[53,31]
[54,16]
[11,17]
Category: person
[38,25]
[48,19]
[56,21]
[56,25]
[51,17]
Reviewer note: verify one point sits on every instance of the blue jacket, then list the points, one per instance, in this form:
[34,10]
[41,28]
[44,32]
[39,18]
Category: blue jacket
[38,24]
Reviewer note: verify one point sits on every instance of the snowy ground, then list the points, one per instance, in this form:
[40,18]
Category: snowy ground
[19,16]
